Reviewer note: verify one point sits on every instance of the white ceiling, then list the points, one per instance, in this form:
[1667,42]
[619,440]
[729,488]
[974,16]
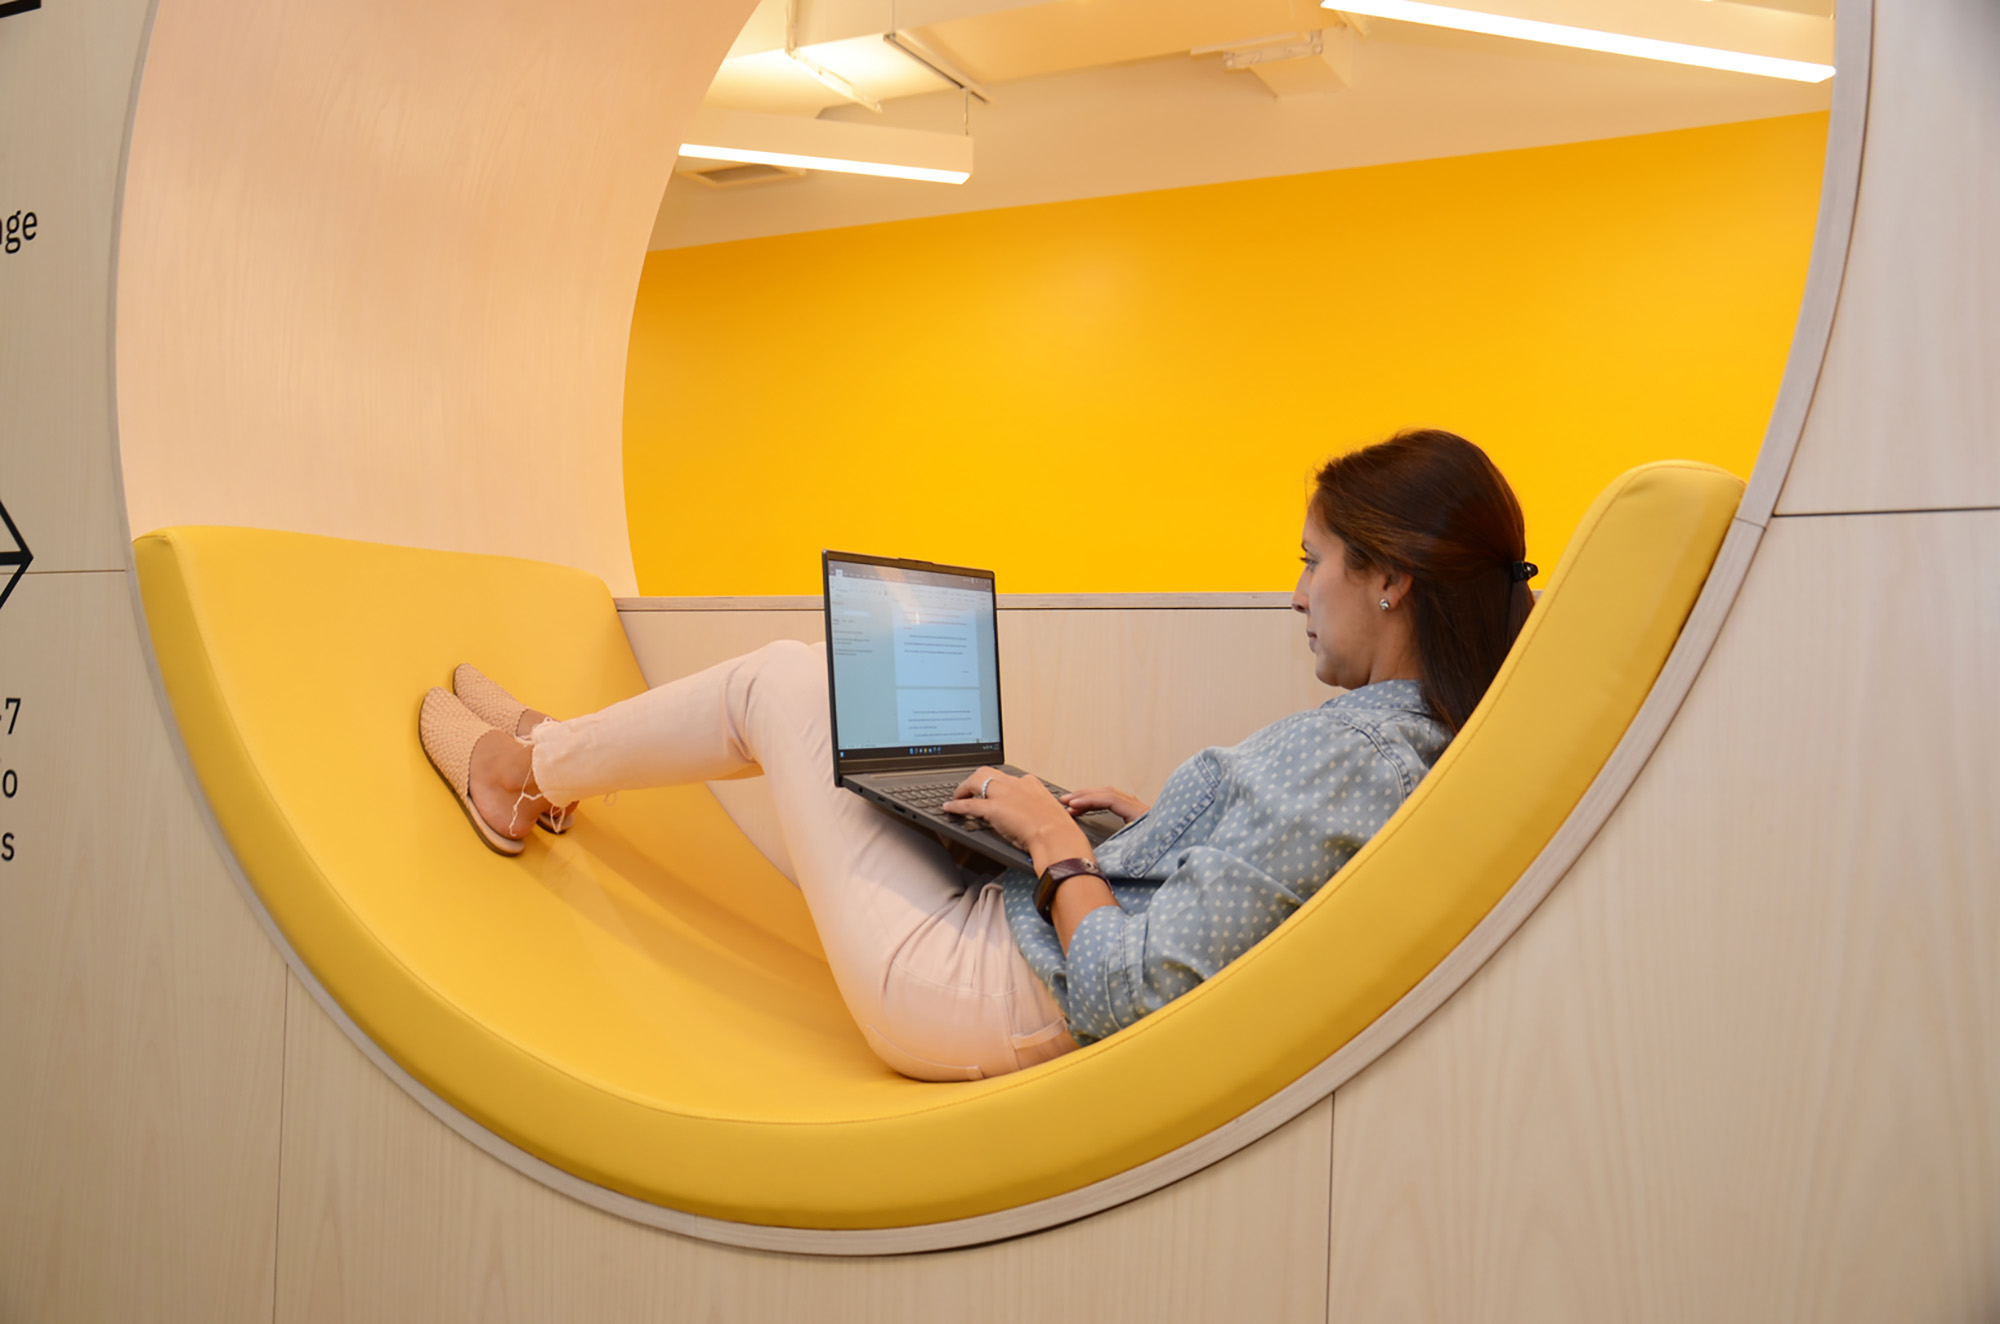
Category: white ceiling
[1098,97]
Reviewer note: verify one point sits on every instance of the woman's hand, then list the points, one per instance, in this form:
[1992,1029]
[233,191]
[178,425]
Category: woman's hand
[1122,803]
[1021,810]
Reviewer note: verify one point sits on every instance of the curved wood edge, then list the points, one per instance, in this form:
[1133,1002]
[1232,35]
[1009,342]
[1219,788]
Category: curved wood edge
[1833,231]
[122,512]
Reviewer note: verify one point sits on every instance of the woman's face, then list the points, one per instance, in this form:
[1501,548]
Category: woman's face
[1353,640]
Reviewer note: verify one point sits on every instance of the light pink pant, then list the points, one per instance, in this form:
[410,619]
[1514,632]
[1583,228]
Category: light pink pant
[925,963]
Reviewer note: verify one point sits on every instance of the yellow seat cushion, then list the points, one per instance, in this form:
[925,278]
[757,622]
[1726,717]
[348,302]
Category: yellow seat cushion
[642,1002]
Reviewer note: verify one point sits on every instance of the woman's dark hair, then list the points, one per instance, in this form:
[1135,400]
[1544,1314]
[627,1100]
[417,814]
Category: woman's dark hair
[1430,505]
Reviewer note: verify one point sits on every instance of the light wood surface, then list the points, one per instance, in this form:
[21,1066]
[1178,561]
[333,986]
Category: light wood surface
[1908,411]
[141,1021]
[377,265]
[141,1008]
[1740,1065]
[673,644]
[387,1216]
[1123,698]
[65,79]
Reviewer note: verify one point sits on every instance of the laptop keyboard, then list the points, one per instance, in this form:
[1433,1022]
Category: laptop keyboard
[925,797]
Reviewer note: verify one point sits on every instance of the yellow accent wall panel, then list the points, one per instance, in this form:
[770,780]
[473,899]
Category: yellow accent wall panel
[1129,394]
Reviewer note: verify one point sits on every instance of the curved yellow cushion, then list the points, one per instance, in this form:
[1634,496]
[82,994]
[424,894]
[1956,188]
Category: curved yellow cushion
[642,1002]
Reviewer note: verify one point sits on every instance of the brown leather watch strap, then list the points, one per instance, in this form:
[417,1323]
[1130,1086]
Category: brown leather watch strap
[1054,877]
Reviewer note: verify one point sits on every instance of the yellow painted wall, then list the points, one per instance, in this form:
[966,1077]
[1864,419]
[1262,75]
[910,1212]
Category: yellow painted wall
[1130,393]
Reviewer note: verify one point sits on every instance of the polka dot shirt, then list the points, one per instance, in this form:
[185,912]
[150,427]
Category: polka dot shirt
[1241,838]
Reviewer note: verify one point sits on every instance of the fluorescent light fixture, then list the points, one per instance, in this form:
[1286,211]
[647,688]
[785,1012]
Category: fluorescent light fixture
[816,144]
[797,162]
[1589,39]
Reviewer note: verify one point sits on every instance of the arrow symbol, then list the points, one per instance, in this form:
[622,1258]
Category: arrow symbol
[19,558]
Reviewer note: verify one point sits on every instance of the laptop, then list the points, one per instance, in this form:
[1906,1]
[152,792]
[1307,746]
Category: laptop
[913,681]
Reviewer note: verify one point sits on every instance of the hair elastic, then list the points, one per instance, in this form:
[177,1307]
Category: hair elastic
[1520,572]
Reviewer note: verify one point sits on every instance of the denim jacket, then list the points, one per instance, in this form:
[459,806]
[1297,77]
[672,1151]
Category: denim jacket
[1241,837]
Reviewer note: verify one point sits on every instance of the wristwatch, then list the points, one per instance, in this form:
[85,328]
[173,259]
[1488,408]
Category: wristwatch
[1054,877]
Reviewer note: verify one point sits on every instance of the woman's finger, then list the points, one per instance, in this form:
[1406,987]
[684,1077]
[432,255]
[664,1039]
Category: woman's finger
[970,787]
[1122,803]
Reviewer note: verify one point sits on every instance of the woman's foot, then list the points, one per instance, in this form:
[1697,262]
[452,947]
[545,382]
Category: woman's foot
[503,785]
[455,739]
[501,710]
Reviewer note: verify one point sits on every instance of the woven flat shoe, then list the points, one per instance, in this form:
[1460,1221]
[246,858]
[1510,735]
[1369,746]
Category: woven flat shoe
[449,730]
[489,703]
[497,708]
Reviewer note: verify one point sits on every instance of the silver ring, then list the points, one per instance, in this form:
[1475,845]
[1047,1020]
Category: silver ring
[982,787]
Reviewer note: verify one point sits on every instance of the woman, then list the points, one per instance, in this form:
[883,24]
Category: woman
[1413,590]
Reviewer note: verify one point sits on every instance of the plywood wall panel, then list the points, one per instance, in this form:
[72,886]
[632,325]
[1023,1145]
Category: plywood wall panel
[65,79]
[672,644]
[1907,414]
[1739,1065]
[141,1006]
[1123,697]
[378,263]
[387,1215]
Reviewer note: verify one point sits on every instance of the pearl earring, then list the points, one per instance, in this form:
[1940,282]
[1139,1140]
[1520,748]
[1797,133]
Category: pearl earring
[1384,604]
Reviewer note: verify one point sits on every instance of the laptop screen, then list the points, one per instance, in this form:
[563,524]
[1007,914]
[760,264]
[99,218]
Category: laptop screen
[914,660]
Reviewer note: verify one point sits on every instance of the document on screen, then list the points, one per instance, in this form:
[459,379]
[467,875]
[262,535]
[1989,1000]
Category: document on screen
[914,661]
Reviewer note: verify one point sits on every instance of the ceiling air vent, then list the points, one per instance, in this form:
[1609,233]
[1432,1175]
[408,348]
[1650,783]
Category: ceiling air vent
[733,175]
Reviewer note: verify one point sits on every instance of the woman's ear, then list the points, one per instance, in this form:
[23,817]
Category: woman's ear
[1393,587]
